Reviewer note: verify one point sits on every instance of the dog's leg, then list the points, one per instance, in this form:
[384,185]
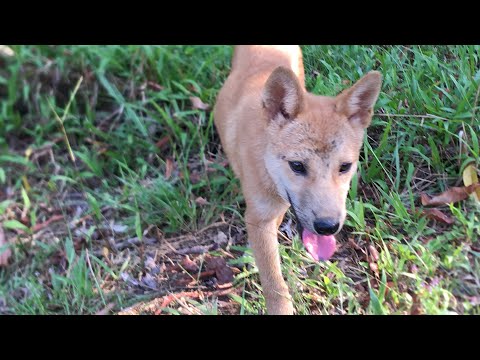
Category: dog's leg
[262,236]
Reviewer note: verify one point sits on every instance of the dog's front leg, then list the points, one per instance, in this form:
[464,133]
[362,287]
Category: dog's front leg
[262,236]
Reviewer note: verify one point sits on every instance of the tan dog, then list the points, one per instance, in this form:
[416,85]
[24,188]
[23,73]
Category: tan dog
[290,148]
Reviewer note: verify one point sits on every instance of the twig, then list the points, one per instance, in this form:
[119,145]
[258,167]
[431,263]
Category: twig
[44,224]
[166,298]
[194,294]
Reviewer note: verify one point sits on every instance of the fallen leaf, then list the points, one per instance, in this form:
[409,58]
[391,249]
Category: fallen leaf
[4,253]
[168,169]
[150,263]
[436,214]
[188,264]
[452,195]
[416,308]
[162,142]
[149,281]
[118,228]
[128,279]
[6,51]
[223,272]
[220,238]
[79,244]
[187,281]
[373,252]
[470,177]
[198,104]
[201,201]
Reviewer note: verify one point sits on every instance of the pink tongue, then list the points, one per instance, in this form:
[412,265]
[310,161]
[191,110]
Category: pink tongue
[319,246]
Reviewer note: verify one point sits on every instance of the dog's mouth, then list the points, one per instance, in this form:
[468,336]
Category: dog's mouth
[320,247]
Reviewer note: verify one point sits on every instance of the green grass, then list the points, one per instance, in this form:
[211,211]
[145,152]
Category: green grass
[144,156]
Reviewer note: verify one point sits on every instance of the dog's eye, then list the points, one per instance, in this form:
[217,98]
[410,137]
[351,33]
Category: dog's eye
[345,167]
[297,167]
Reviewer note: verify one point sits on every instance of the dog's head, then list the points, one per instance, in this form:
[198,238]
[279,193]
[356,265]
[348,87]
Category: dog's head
[313,149]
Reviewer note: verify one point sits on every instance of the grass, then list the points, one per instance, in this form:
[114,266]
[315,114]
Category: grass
[104,190]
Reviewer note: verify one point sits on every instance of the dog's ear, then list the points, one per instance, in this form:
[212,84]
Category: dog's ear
[282,95]
[357,102]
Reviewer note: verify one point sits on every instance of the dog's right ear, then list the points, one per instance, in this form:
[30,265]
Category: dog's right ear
[282,95]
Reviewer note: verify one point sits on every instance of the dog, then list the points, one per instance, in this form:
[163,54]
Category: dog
[290,148]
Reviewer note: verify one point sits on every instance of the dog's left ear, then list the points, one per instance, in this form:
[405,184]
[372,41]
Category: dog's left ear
[357,102]
[282,96]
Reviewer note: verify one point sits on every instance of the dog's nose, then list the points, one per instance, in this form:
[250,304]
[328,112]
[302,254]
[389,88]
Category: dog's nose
[326,226]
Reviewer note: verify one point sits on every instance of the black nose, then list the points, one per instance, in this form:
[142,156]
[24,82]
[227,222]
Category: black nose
[326,226]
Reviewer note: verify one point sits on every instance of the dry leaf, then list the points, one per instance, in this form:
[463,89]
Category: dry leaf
[118,228]
[5,253]
[416,308]
[149,282]
[198,104]
[374,268]
[188,264]
[163,142]
[470,177]
[436,214]
[201,201]
[6,51]
[168,169]
[221,238]
[452,195]
[373,253]
[223,272]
